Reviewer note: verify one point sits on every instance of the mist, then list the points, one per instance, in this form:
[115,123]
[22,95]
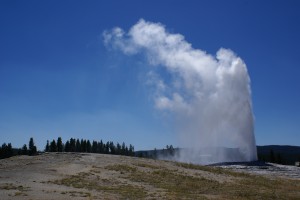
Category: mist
[208,96]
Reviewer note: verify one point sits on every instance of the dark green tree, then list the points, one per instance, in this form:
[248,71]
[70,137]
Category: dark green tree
[32,147]
[67,146]
[9,150]
[78,146]
[59,144]
[24,150]
[95,146]
[53,146]
[118,149]
[123,149]
[6,151]
[100,147]
[72,145]
[1,153]
[83,147]
[131,150]
[155,153]
[88,146]
[112,148]
[107,148]
[19,152]
[47,148]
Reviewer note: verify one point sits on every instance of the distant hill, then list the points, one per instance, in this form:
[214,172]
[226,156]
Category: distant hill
[282,154]
[287,154]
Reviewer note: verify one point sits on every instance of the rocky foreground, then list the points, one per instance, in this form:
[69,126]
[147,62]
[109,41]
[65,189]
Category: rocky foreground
[98,176]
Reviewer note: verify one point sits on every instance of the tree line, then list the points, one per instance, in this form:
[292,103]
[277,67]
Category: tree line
[272,158]
[76,145]
[7,151]
[72,145]
[169,151]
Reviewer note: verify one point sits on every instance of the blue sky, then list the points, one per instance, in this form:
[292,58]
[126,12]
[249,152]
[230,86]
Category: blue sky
[58,79]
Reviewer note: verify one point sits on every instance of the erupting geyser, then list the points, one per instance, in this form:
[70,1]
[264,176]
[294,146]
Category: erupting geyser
[210,96]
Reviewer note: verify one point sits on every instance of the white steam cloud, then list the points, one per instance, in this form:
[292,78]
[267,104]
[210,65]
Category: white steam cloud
[209,95]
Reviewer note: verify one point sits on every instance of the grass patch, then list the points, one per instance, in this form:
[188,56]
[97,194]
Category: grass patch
[91,182]
[20,190]
[78,194]
[121,168]
[163,183]
[177,185]
[20,194]
[145,165]
[10,186]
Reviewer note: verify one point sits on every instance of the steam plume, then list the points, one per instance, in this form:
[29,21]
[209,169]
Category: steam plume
[209,95]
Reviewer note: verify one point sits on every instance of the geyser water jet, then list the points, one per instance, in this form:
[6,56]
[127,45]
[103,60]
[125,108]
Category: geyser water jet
[210,96]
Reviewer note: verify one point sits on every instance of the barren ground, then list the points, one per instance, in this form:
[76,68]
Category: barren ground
[97,176]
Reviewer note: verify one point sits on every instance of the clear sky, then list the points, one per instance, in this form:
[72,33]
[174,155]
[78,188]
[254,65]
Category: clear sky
[57,78]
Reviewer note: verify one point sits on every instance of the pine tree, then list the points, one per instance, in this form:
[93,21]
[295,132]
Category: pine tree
[83,146]
[9,150]
[59,144]
[88,146]
[126,151]
[24,150]
[19,151]
[118,149]
[107,148]
[123,149]
[47,148]
[1,153]
[53,146]
[101,147]
[67,146]
[155,153]
[94,146]
[32,147]
[112,148]
[6,151]
[72,145]
[78,146]
[131,150]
